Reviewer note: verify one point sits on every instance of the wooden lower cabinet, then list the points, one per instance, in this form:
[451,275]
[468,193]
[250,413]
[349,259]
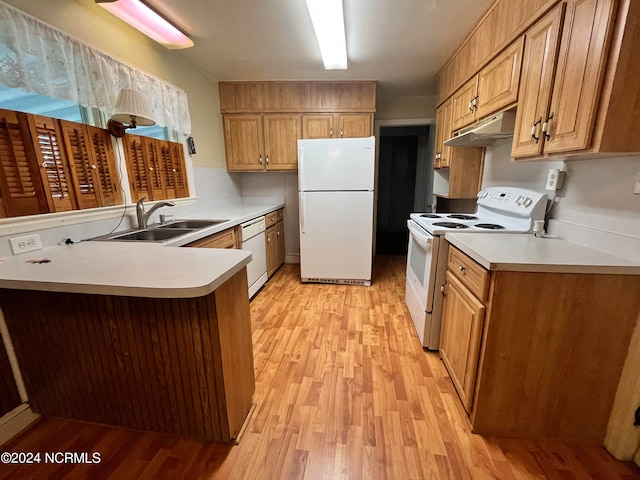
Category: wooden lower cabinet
[275,241]
[228,238]
[182,366]
[460,341]
[9,395]
[545,360]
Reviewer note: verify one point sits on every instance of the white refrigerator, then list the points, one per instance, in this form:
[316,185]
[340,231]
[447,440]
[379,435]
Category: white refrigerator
[335,188]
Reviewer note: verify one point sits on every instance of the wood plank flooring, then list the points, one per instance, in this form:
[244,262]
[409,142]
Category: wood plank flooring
[344,391]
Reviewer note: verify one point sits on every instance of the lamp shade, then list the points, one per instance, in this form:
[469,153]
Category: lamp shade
[132,105]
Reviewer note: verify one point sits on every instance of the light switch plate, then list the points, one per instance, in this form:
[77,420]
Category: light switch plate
[28,243]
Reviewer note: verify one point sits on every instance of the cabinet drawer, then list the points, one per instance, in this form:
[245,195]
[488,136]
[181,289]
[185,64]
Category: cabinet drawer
[472,275]
[224,239]
[273,218]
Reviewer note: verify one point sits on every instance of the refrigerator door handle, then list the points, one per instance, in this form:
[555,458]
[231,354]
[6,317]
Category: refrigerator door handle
[301,206]
[300,169]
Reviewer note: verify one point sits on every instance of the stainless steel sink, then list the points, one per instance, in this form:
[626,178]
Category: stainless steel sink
[152,235]
[190,224]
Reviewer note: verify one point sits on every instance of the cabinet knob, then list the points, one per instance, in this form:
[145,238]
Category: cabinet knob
[331,132]
[461,268]
[267,159]
[260,159]
[341,132]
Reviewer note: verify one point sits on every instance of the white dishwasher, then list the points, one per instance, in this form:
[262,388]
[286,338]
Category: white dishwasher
[253,239]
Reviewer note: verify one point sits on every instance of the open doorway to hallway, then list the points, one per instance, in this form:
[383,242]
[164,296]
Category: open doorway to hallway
[405,183]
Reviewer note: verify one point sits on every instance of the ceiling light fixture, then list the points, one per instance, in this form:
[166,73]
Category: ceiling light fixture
[328,22]
[140,16]
[133,108]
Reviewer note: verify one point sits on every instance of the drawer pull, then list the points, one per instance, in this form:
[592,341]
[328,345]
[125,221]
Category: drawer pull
[461,268]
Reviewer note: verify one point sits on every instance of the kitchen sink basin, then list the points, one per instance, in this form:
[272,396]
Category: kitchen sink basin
[190,224]
[152,234]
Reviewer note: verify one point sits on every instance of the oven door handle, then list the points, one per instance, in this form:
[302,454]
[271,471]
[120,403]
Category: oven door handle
[423,238]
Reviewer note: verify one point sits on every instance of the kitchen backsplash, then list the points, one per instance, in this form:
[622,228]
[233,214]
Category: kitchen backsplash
[596,206]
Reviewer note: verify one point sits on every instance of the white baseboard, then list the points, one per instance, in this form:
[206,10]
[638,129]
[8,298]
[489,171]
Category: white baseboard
[15,421]
[292,258]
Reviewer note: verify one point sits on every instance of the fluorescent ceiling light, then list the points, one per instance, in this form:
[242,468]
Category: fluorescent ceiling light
[139,16]
[328,22]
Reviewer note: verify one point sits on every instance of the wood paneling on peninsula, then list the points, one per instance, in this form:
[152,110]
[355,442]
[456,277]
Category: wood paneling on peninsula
[179,366]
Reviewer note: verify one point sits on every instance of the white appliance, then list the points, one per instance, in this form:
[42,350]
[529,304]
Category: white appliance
[253,239]
[500,210]
[335,188]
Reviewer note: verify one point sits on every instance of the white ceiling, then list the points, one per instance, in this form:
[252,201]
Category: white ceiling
[400,43]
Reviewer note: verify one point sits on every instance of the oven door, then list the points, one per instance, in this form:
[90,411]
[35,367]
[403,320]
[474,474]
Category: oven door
[421,264]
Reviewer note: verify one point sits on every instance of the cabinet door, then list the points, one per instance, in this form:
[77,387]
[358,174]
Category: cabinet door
[280,243]
[355,125]
[105,161]
[153,163]
[272,250]
[462,322]
[318,125]
[538,67]
[498,82]
[281,134]
[174,169]
[244,143]
[581,65]
[21,190]
[443,132]
[463,110]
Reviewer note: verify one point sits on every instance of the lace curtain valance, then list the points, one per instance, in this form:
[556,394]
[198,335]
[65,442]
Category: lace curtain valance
[38,58]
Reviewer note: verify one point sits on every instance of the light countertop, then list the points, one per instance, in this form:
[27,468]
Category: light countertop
[137,269]
[527,253]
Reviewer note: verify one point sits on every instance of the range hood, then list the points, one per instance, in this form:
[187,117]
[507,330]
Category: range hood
[485,132]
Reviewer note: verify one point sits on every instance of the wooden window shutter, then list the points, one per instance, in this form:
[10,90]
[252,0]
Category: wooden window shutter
[138,177]
[54,168]
[179,169]
[21,190]
[105,160]
[168,169]
[83,168]
[153,161]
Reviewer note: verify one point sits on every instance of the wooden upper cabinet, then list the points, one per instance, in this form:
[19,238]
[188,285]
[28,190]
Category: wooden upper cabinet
[538,67]
[442,153]
[581,65]
[354,125]
[243,141]
[318,125]
[21,190]
[494,88]
[264,120]
[54,166]
[590,106]
[338,125]
[281,134]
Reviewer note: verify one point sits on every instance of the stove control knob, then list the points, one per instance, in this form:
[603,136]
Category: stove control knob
[519,200]
[527,201]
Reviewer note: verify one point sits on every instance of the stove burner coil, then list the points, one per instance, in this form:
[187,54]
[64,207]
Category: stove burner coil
[450,225]
[460,216]
[489,226]
[430,215]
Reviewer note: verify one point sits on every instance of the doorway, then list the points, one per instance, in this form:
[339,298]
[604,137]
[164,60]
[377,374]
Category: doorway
[405,181]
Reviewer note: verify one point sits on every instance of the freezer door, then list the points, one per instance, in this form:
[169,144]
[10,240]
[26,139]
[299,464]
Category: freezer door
[336,236]
[336,164]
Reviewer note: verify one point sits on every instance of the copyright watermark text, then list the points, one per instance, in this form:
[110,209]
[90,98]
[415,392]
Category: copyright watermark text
[50,457]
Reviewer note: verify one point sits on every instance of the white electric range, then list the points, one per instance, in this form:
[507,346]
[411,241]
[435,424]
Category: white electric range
[500,210]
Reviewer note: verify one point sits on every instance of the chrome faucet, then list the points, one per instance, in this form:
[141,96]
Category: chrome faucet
[144,216]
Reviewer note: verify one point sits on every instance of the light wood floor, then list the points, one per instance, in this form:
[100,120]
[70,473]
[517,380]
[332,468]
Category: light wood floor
[344,391]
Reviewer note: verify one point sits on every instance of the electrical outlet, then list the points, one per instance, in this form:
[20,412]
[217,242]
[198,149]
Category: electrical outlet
[28,243]
[555,179]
